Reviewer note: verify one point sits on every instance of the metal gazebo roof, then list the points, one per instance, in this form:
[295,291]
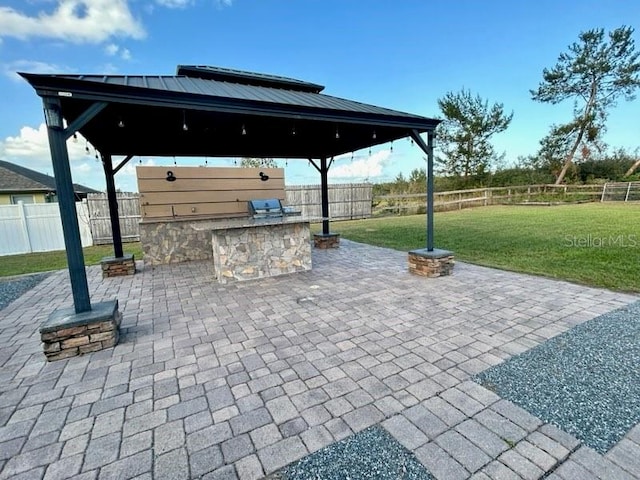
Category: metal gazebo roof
[225,112]
[207,111]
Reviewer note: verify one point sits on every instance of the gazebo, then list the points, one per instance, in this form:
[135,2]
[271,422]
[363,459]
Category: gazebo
[208,112]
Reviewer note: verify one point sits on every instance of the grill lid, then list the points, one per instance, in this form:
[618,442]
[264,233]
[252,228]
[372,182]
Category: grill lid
[261,208]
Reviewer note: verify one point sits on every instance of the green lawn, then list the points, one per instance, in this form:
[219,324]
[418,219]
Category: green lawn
[45,261]
[594,244]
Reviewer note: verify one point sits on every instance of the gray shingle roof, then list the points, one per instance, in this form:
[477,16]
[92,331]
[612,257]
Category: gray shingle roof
[14,178]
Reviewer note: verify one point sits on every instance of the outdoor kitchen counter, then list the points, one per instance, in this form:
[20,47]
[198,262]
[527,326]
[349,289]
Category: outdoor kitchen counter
[248,248]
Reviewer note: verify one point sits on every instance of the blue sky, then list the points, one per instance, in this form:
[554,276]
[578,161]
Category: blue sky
[402,54]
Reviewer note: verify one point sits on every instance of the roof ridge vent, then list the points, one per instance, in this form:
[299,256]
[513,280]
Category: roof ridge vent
[247,78]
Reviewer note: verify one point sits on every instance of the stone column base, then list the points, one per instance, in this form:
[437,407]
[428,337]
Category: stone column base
[324,241]
[67,334]
[118,266]
[435,263]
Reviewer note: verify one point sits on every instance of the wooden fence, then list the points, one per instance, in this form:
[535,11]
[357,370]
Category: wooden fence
[346,201]
[477,197]
[100,221]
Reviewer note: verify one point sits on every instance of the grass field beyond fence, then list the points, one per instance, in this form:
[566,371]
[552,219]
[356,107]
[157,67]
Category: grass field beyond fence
[593,244]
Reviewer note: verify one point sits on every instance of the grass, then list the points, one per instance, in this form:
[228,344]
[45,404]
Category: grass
[46,261]
[594,244]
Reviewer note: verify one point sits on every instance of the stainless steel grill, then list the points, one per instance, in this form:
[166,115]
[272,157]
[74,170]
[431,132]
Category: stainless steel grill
[269,208]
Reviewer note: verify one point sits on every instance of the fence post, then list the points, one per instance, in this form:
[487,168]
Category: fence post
[25,227]
[626,197]
[486,194]
[604,189]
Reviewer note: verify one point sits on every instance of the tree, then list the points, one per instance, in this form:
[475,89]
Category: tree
[249,162]
[463,136]
[594,73]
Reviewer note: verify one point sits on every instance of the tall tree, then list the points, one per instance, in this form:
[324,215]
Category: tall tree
[463,136]
[594,73]
[250,162]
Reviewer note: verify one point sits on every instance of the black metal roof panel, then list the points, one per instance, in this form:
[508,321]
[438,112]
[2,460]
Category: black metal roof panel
[247,78]
[237,91]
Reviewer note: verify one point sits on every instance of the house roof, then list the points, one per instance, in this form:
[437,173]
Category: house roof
[225,112]
[14,178]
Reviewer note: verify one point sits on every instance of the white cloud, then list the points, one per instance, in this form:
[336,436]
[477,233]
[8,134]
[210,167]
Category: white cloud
[175,3]
[76,21]
[31,66]
[30,148]
[188,3]
[112,50]
[364,168]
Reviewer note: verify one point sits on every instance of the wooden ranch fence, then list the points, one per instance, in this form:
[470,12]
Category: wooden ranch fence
[526,194]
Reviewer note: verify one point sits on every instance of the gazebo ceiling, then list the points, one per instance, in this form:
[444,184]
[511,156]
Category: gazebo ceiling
[208,111]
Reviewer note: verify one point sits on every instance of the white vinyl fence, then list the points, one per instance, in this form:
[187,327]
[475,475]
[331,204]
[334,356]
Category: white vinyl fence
[36,227]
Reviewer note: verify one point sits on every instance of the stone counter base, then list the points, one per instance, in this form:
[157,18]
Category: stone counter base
[67,334]
[436,263]
[324,241]
[118,267]
[258,252]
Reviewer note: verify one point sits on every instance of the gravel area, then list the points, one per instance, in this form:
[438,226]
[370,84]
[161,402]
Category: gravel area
[370,454]
[585,381]
[13,288]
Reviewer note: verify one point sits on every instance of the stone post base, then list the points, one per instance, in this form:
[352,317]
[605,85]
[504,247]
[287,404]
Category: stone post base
[67,334]
[118,266]
[436,263]
[324,241]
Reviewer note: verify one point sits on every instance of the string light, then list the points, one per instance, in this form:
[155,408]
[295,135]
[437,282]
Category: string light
[244,130]
[185,127]
[293,131]
[352,156]
[337,134]
[75,137]
[86,147]
[391,149]
[174,161]
[374,136]
[369,151]
[120,123]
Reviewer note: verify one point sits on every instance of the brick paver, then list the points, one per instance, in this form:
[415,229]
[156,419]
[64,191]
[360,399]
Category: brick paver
[236,381]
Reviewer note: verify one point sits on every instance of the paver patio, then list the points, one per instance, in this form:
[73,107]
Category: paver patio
[237,381]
